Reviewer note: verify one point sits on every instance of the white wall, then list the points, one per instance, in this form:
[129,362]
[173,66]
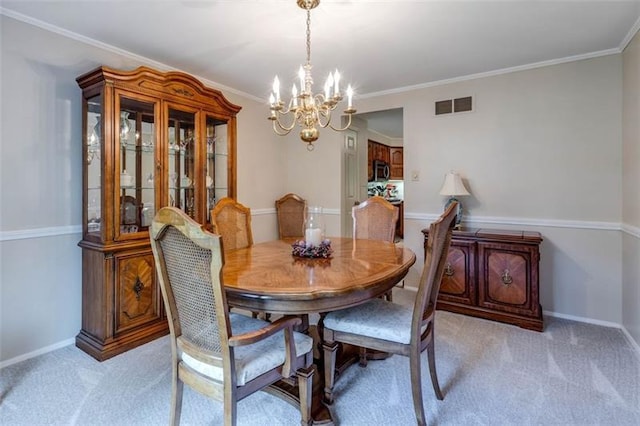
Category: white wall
[541,151]
[41,181]
[630,191]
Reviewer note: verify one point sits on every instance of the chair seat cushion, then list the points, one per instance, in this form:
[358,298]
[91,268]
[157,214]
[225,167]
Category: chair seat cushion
[256,359]
[377,318]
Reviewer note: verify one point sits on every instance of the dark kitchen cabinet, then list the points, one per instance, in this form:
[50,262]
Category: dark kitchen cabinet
[396,162]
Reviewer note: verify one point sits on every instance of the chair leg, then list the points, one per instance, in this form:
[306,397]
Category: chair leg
[305,391]
[176,397]
[416,387]
[363,356]
[330,351]
[431,354]
[230,406]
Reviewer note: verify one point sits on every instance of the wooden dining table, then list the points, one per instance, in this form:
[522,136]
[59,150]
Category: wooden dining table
[266,277]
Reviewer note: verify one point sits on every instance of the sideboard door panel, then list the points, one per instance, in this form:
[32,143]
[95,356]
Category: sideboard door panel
[505,278]
[456,285]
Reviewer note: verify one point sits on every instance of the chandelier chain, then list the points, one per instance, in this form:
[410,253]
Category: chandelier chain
[308,36]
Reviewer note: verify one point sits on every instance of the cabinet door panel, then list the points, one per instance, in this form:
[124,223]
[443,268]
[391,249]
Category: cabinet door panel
[183,144]
[457,280]
[505,278]
[136,144]
[137,299]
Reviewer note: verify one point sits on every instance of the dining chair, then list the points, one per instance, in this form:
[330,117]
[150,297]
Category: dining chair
[222,355]
[375,219]
[232,221]
[291,209]
[386,326]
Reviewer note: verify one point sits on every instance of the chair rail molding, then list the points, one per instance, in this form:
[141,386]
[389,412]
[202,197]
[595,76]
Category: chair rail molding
[518,221]
[54,231]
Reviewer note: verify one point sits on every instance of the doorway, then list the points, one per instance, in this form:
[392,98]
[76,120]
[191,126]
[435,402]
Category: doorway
[385,127]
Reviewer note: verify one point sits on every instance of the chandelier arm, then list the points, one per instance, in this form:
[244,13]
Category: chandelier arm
[326,113]
[343,128]
[287,129]
[277,132]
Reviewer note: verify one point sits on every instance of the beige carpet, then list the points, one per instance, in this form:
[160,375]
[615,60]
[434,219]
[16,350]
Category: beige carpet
[491,374]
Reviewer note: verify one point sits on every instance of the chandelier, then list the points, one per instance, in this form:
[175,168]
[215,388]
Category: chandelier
[306,109]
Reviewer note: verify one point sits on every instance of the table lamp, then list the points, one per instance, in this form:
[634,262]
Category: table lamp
[453,187]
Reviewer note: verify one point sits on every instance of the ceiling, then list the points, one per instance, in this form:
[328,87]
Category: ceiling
[380,46]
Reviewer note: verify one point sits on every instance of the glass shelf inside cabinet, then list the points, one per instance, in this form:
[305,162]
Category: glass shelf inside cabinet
[94,140]
[137,141]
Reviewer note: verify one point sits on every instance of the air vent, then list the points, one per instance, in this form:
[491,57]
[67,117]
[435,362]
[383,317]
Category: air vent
[443,107]
[449,106]
[462,104]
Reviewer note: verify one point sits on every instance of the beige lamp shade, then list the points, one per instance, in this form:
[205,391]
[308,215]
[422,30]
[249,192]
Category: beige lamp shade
[453,185]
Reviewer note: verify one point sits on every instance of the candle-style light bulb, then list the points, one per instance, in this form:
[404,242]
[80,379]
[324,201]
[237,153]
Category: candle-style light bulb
[272,100]
[276,88]
[349,97]
[294,95]
[336,78]
[328,86]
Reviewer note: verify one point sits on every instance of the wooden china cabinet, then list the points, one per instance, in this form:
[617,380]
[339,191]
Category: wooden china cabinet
[150,139]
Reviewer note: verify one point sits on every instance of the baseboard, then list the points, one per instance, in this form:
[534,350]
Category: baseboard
[609,324]
[631,340]
[635,345]
[582,319]
[37,352]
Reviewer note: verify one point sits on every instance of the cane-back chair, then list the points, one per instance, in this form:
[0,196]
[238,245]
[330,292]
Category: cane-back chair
[390,327]
[375,219]
[232,221]
[291,209]
[222,355]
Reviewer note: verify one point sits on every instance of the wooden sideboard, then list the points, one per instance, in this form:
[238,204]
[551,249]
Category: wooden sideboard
[493,274]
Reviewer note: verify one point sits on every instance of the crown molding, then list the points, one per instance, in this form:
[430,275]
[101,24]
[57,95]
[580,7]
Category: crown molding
[632,32]
[493,73]
[92,42]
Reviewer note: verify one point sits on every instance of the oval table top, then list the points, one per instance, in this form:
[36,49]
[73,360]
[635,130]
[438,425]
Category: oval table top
[267,277]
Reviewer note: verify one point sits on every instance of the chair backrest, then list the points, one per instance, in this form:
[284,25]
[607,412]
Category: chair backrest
[188,262]
[375,219]
[291,209]
[435,258]
[232,221]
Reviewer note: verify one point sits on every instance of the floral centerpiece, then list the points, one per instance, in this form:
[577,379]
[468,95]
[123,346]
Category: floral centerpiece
[303,248]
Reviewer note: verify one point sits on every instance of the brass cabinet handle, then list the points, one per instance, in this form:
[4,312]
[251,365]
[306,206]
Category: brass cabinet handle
[448,270]
[506,277]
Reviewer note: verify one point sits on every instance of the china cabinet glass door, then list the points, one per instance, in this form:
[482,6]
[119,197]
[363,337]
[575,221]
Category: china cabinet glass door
[217,170]
[136,141]
[182,144]
[93,156]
